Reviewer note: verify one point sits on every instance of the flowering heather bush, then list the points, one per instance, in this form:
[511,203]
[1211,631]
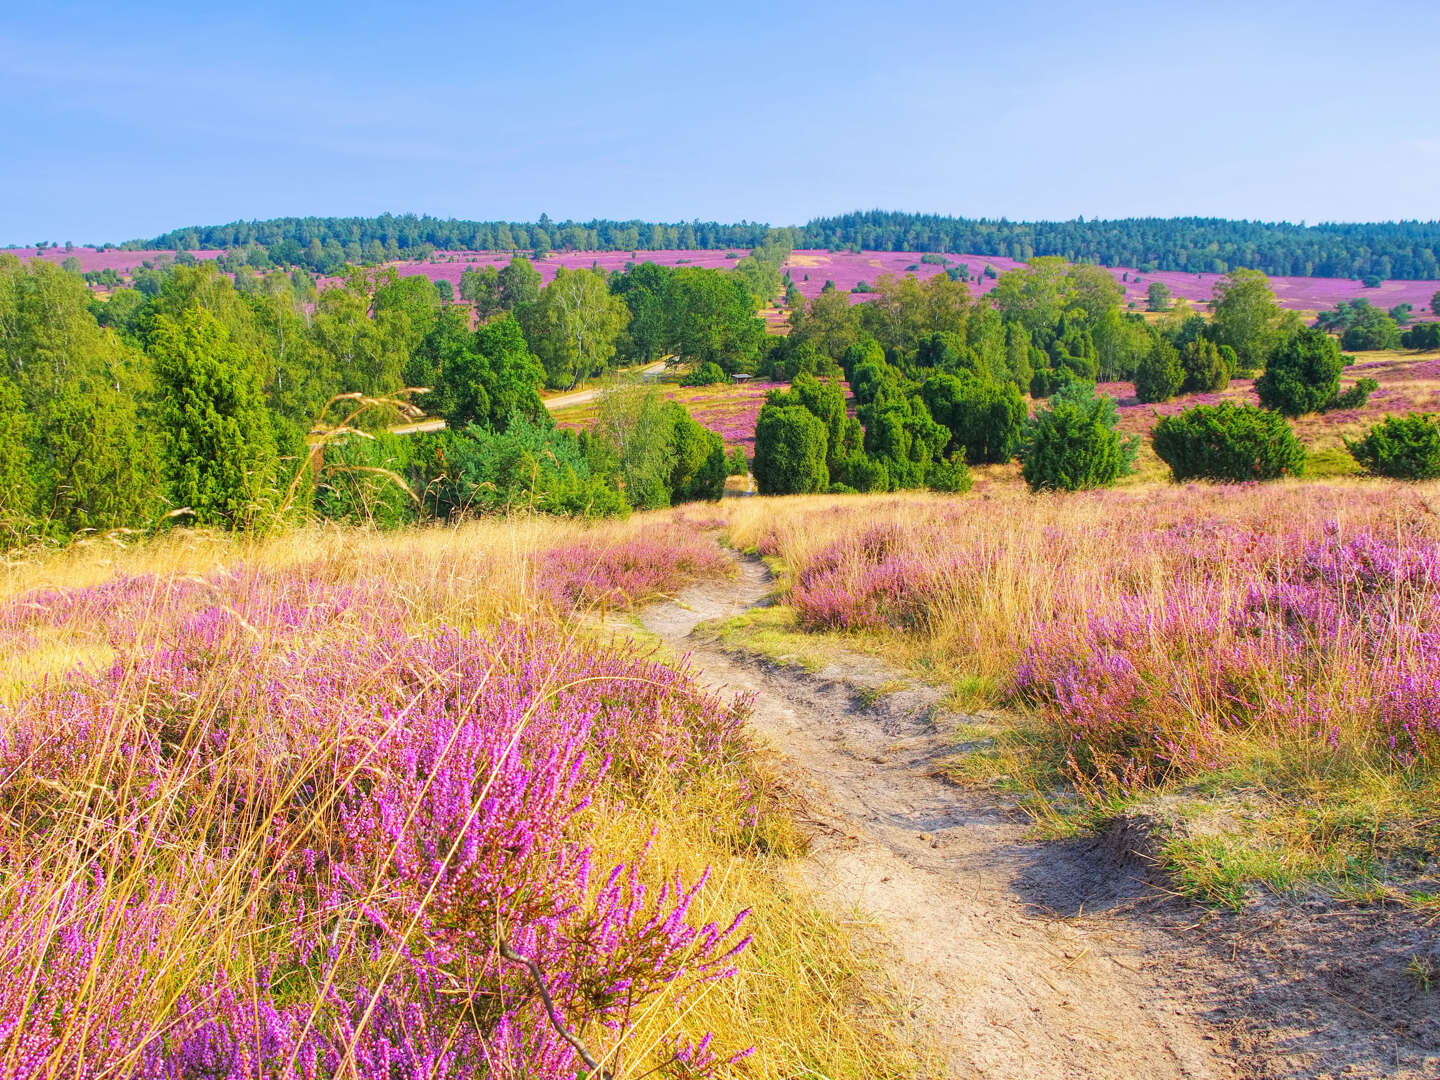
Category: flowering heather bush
[1160,633]
[287,832]
[605,573]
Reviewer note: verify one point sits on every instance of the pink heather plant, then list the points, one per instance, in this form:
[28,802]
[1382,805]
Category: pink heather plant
[396,822]
[1156,645]
[603,573]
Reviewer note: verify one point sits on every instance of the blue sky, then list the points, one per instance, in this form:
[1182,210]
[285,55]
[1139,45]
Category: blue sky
[123,121]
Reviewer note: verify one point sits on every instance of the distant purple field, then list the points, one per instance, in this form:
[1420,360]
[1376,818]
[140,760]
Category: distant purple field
[811,269]
[449,265]
[847,269]
[122,262]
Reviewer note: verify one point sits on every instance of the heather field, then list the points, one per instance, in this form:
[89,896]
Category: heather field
[847,269]
[1252,669]
[337,804]
[810,269]
[122,262]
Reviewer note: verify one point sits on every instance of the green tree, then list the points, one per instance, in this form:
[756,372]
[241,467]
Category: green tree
[1206,371]
[700,467]
[831,324]
[17,482]
[1161,374]
[1158,296]
[649,332]
[825,400]
[482,288]
[985,418]
[1075,444]
[634,420]
[1244,315]
[1369,329]
[900,431]
[574,325]
[790,450]
[1035,296]
[517,285]
[219,449]
[714,319]
[1302,373]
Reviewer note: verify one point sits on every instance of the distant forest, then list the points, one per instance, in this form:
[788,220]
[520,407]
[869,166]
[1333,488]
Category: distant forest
[1404,250]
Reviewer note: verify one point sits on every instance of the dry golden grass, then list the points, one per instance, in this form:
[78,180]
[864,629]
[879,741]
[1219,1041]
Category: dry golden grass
[1298,807]
[804,994]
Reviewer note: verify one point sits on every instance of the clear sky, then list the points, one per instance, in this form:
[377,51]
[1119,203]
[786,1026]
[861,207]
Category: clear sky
[125,120]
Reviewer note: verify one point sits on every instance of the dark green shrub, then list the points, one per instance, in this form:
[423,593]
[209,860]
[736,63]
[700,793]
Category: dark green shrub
[737,464]
[1228,442]
[707,374]
[985,418]
[951,475]
[900,431]
[1425,335]
[699,468]
[1206,371]
[860,472]
[529,466]
[219,444]
[1302,373]
[1160,375]
[1400,447]
[1356,396]
[790,447]
[364,481]
[1371,328]
[1074,444]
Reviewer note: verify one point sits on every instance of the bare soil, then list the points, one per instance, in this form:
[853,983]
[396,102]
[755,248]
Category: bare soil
[1054,960]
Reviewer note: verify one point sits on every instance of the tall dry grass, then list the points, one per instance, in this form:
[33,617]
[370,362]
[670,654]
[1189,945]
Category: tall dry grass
[204,738]
[1277,645]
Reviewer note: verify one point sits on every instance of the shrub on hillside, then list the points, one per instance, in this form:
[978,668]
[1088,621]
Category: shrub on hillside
[790,447]
[1160,375]
[985,418]
[1355,397]
[1400,447]
[1370,329]
[527,466]
[1228,442]
[1425,335]
[1302,373]
[698,468]
[1206,371]
[861,472]
[1075,444]
[707,374]
[951,475]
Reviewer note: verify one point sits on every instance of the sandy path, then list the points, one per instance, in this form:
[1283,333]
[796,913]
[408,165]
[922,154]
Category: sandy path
[1010,973]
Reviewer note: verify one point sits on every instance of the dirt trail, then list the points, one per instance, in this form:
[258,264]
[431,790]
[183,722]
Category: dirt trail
[1009,974]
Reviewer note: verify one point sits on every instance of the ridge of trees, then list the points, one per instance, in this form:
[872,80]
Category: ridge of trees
[1406,250]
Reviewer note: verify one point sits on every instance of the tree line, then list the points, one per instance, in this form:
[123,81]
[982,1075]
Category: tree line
[1408,250]
[239,400]
[940,379]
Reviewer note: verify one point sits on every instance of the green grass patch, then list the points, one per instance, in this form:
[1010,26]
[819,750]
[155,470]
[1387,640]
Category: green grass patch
[1330,462]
